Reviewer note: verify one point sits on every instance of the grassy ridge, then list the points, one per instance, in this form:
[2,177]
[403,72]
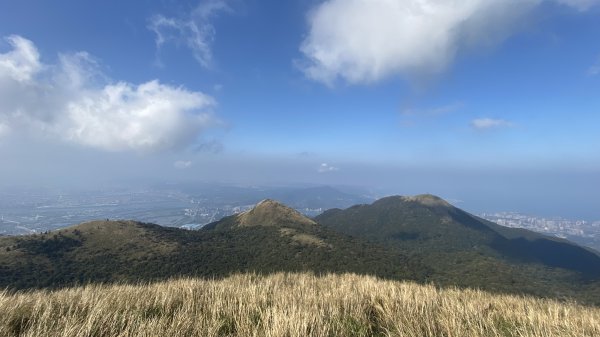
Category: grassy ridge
[287,305]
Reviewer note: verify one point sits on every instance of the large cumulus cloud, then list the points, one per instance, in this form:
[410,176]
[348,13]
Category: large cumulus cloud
[363,41]
[73,101]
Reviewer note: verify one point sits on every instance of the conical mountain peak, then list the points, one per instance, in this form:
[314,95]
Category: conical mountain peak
[272,213]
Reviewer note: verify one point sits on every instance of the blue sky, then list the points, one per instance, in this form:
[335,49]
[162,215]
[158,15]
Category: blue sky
[474,100]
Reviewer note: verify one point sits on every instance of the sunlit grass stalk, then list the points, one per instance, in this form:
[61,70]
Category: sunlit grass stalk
[287,305]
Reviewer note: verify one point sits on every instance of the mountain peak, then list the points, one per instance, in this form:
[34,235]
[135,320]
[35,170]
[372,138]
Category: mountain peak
[272,213]
[427,200]
[269,203]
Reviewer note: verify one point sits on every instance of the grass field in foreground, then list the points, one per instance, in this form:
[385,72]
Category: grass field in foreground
[287,305]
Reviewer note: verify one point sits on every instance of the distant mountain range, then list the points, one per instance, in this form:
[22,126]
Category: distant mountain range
[299,197]
[421,238]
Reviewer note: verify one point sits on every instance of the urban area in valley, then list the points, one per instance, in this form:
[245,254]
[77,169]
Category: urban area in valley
[190,206]
[586,233]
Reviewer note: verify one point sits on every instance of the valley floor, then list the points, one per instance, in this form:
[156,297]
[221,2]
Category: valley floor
[287,305]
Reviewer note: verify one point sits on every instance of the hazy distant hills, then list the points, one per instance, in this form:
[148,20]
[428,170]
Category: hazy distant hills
[322,197]
[315,197]
[420,238]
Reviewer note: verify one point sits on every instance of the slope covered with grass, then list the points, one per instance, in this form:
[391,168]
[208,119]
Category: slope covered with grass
[283,304]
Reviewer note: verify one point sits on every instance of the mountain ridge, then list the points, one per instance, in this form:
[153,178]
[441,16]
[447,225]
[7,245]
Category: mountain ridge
[129,251]
[420,238]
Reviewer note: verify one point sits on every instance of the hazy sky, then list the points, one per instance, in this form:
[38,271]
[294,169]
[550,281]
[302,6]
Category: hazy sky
[493,102]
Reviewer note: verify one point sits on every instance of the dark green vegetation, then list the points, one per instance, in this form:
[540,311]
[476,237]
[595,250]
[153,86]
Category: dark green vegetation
[109,251]
[465,250]
[419,238]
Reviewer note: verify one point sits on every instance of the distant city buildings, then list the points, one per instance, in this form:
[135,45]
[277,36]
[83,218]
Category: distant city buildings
[580,231]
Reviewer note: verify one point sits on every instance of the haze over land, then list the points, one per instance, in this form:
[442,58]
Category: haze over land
[492,104]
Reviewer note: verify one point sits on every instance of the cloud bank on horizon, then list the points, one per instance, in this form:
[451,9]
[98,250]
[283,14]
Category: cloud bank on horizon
[365,41]
[74,102]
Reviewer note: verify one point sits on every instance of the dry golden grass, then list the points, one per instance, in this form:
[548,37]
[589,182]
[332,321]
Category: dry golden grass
[287,305]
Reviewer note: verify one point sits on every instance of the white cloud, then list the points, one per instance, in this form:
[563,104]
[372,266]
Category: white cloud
[73,101]
[181,164]
[489,123]
[148,116]
[364,41]
[324,167]
[22,62]
[195,31]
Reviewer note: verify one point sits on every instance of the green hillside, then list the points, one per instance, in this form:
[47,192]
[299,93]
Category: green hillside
[463,249]
[421,238]
[110,251]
